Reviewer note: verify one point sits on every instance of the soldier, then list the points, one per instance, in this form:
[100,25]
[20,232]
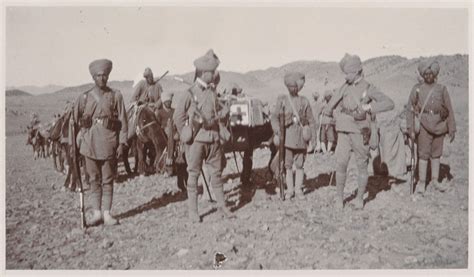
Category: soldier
[317,108]
[430,102]
[328,132]
[100,112]
[298,117]
[237,90]
[148,91]
[358,100]
[196,117]
[165,118]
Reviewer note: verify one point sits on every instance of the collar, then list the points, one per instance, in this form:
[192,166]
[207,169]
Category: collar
[201,83]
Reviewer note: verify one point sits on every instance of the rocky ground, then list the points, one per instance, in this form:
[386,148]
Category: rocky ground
[394,231]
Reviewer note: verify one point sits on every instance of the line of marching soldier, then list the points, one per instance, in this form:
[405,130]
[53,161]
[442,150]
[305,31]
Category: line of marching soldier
[197,116]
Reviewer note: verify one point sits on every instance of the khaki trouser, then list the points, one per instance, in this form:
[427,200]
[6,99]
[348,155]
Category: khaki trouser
[348,143]
[101,174]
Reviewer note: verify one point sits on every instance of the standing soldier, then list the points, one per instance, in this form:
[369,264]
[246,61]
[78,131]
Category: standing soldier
[165,118]
[359,100]
[148,91]
[299,126]
[100,113]
[431,104]
[328,132]
[197,116]
[317,108]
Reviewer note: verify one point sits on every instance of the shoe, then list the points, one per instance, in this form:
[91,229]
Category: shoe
[420,188]
[289,194]
[300,194]
[194,217]
[359,203]
[225,213]
[96,218]
[339,204]
[109,219]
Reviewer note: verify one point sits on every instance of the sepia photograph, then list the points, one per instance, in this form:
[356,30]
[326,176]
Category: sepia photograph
[243,137]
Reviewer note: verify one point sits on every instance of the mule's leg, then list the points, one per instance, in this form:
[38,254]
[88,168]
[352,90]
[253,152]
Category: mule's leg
[247,166]
[54,156]
[62,151]
[141,157]
[125,160]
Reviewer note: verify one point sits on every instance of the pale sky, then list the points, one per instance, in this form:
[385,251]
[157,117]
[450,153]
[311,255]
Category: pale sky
[54,45]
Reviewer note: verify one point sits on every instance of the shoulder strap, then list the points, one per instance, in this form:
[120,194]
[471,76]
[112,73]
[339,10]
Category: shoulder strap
[295,112]
[426,100]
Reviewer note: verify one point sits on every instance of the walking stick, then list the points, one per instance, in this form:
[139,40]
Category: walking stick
[330,178]
[235,160]
[76,167]
[207,186]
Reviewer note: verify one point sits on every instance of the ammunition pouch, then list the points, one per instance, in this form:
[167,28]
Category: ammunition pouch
[112,124]
[85,121]
[366,132]
[358,114]
[444,113]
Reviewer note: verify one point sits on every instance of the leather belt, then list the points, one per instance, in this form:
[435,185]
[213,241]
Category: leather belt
[431,112]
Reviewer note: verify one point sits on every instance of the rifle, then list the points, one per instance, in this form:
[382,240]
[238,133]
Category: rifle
[411,143]
[281,154]
[76,169]
[162,76]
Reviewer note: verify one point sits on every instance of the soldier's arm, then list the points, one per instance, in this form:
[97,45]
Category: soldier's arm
[274,119]
[312,121]
[180,114]
[381,102]
[447,102]
[122,116]
[410,113]
[137,92]
[335,99]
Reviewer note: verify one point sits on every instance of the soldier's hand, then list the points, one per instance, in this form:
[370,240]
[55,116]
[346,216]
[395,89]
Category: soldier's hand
[412,135]
[327,112]
[451,136]
[366,107]
[120,150]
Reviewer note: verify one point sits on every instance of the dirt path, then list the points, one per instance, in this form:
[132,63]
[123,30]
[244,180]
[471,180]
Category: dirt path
[393,231]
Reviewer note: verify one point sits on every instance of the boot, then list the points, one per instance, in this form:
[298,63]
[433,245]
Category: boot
[290,187]
[420,185]
[96,218]
[359,200]
[193,204]
[330,147]
[323,147]
[109,219]
[299,177]
[220,198]
[435,175]
[339,199]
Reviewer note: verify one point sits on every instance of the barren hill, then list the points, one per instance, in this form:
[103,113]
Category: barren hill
[16,92]
[394,75]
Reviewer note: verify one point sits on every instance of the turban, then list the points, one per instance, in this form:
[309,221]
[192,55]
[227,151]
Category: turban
[208,62]
[167,96]
[350,64]
[97,66]
[315,94]
[429,64]
[236,89]
[294,79]
[148,72]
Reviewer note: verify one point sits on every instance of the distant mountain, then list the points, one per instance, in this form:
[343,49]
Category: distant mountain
[16,92]
[394,75]
[36,90]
